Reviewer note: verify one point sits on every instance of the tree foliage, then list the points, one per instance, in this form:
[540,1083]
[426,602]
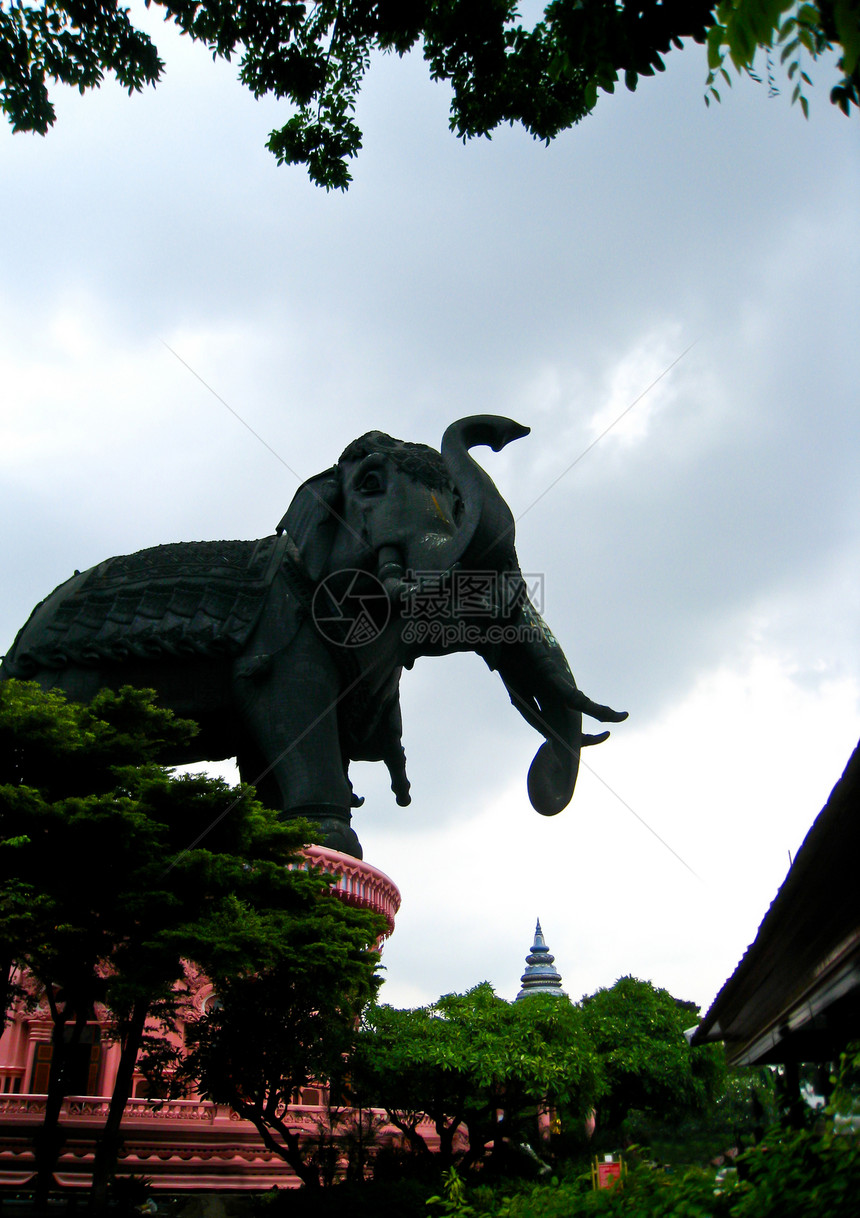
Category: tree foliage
[475,1062]
[545,75]
[793,1174]
[114,873]
[798,33]
[475,1065]
[289,1023]
[814,1170]
[638,1032]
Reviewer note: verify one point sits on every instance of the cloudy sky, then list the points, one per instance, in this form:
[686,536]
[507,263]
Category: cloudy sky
[166,291]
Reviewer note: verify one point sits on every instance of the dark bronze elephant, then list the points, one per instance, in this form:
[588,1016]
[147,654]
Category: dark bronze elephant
[288,651]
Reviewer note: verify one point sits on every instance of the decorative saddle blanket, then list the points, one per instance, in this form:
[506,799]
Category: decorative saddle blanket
[191,598]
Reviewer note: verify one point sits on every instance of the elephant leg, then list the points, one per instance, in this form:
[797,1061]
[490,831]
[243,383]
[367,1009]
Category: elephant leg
[384,743]
[253,770]
[289,710]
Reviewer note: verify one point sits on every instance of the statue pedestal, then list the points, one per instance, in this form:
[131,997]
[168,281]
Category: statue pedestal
[358,882]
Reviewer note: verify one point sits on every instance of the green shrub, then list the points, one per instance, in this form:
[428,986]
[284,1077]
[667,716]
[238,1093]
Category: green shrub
[808,1173]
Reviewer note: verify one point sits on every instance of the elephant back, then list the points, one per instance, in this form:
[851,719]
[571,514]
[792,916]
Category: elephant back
[185,599]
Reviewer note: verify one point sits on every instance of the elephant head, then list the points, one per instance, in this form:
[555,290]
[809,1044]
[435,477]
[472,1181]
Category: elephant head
[389,502]
[400,511]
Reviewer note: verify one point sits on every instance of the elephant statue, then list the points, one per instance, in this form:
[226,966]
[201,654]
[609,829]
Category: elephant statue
[288,651]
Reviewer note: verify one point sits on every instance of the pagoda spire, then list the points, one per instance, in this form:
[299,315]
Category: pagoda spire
[540,977]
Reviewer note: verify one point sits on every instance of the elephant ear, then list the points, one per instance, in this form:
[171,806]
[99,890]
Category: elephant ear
[311,520]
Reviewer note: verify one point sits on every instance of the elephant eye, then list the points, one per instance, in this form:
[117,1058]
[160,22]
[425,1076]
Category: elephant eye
[372,483]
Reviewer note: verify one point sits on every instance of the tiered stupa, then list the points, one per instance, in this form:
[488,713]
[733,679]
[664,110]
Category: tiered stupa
[540,977]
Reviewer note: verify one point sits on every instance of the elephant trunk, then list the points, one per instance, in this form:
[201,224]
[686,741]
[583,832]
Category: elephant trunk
[390,571]
[485,538]
[541,686]
[555,767]
[533,667]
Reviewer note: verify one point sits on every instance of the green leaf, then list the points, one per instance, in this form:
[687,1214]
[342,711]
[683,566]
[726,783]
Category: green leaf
[847,21]
[715,42]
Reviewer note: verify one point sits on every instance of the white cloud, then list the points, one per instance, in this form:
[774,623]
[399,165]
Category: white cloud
[638,387]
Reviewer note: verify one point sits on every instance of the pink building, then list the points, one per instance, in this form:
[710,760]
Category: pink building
[182,1145]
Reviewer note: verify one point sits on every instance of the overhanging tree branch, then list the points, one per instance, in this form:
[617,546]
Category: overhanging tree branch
[545,77]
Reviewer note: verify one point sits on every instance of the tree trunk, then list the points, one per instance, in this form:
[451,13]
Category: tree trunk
[447,1131]
[479,1132]
[409,1131]
[108,1146]
[289,1149]
[48,1140]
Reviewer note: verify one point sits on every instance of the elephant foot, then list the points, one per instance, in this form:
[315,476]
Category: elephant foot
[334,826]
[340,835]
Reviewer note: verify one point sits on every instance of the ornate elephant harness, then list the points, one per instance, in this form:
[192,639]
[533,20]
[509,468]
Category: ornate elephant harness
[186,599]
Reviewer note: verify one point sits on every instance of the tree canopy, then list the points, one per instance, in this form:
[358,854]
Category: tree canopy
[638,1032]
[288,1024]
[544,75]
[114,873]
[475,1061]
[475,1064]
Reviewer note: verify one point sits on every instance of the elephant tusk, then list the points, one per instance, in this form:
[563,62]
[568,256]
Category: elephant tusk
[603,714]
